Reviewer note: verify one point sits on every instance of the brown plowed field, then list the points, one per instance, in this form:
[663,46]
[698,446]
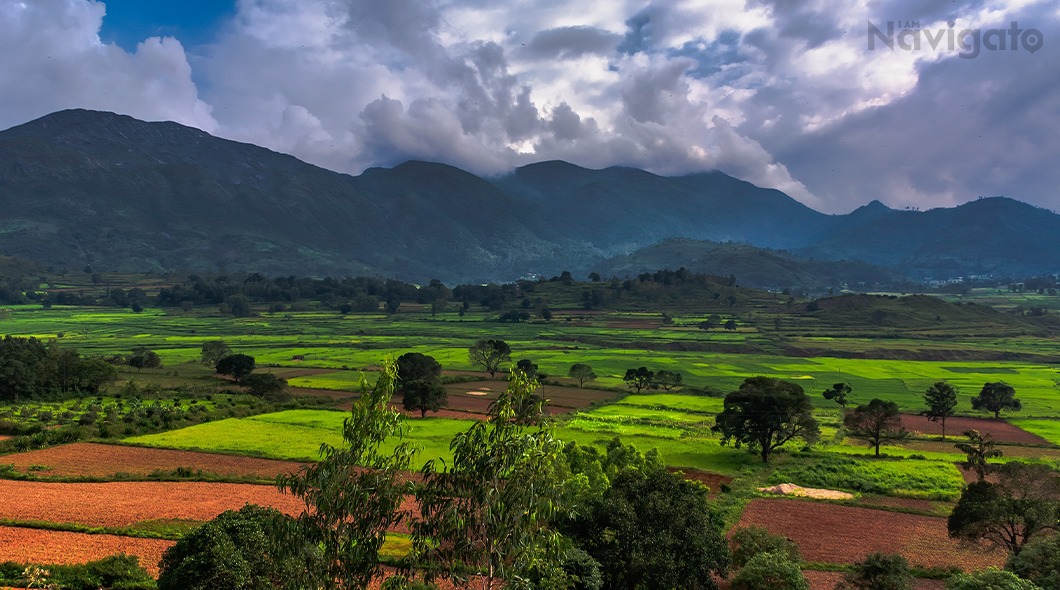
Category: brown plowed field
[96,460]
[126,503]
[61,548]
[831,533]
[1001,431]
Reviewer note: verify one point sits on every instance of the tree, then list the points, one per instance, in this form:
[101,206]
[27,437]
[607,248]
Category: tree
[879,571]
[414,366]
[581,373]
[979,449]
[1023,503]
[668,379]
[941,400]
[653,529]
[990,579]
[489,354]
[423,396]
[876,423]
[353,495]
[487,512]
[267,386]
[839,393]
[236,366]
[730,325]
[213,351]
[746,542]
[529,368]
[640,378]
[1039,562]
[234,550]
[996,397]
[764,413]
[770,571]
[144,358]
[418,382]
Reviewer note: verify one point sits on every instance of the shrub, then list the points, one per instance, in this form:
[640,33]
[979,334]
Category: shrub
[748,542]
[990,579]
[879,571]
[1039,562]
[770,571]
[234,550]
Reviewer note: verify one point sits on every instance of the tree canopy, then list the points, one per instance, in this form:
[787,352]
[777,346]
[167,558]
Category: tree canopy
[489,354]
[581,373]
[875,423]
[996,397]
[236,366]
[640,378]
[838,393]
[1023,503]
[765,413]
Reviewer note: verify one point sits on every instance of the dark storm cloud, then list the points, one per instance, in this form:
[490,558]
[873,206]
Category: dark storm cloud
[571,42]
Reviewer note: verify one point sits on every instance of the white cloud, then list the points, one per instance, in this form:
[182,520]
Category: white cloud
[54,60]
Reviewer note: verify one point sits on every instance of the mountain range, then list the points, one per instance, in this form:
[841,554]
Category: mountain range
[81,187]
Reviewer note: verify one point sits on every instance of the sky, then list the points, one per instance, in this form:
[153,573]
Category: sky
[813,97]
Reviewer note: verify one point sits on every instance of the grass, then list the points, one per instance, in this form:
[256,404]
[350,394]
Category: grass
[908,478]
[1047,429]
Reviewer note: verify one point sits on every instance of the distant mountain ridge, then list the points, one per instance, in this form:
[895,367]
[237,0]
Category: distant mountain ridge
[83,187]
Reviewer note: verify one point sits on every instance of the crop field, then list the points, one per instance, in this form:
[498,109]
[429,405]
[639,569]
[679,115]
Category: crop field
[28,545]
[324,354]
[327,340]
[93,460]
[127,504]
[847,534]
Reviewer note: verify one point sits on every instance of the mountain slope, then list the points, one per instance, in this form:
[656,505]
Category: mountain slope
[82,187]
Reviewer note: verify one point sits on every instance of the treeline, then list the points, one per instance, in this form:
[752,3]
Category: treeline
[32,368]
[522,299]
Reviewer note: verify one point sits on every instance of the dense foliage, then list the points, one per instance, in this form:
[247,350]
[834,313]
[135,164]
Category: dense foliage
[31,368]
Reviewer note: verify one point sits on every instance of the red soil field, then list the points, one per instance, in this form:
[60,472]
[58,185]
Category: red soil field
[62,548]
[97,460]
[831,533]
[1001,431]
[126,503]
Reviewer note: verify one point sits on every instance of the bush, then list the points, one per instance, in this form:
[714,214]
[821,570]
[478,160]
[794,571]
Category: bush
[1039,562]
[990,579]
[748,542]
[770,571]
[234,550]
[879,571]
[117,572]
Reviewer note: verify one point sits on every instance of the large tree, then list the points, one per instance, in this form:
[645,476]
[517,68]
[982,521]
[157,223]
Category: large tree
[1024,503]
[489,354]
[765,413]
[213,351]
[995,397]
[581,373]
[640,378]
[485,515]
[875,423]
[654,530]
[236,366]
[941,400]
[144,358]
[418,382]
[668,380]
[353,495]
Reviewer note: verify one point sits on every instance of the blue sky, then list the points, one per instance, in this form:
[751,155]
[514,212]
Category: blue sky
[783,93]
[194,22]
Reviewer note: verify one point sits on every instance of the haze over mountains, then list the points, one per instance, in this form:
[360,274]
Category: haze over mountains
[82,187]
